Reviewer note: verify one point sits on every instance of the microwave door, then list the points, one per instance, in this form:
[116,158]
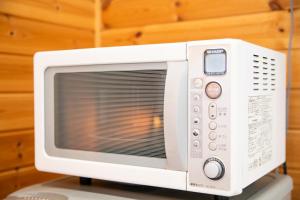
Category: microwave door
[112,113]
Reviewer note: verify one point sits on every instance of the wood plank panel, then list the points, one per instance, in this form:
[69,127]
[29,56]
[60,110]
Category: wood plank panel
[292,149]
[16,111]
[268,29]
[294,119]
[293,155]
[16,149]
[16,73]
[120,14]
[15,179]
[295,174]
[98,23]
[22,36]
[201,9]
[296,68]
[77,13]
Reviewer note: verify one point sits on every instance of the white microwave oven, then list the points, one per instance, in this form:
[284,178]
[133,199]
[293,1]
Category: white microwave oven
[202,116]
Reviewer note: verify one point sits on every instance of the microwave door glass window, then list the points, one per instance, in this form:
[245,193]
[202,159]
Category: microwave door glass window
[119,112]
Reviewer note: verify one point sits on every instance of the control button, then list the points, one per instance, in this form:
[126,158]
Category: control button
[196,132]
[213,90]
[212,135]
[198,83]
[196,121]
[212,125]
[196,144]
[212,110]
[196,109]
[213,168]
[196,97]
[212,146]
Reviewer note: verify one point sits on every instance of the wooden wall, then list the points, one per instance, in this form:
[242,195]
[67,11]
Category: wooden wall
[26,27]
[264,22]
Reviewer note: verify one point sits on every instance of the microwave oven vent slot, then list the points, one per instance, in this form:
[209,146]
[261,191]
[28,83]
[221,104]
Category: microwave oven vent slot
[263,73]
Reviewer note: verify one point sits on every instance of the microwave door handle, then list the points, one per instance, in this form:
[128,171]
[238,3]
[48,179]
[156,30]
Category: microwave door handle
[175,115]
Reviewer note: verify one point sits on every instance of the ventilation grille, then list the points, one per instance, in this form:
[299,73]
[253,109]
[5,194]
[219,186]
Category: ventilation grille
[118,112]
[264,73]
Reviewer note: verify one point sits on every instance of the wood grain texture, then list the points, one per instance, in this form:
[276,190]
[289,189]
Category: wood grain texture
[16,149]
[296,68]
[16,73]
[293,155]
[16,111]
[292,151]
[201,9]
[22,36]
[269,29]
[131,13]
[97,23]
[294,119]
[77,13]
[15,179]
[295,174]
[118,13]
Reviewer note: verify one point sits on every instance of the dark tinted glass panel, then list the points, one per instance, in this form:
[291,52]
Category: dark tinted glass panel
[118,112]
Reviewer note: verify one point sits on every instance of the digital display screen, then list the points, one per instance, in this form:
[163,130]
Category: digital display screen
[215,62]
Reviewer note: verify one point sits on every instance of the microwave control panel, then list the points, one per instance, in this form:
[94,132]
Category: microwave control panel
[209,117]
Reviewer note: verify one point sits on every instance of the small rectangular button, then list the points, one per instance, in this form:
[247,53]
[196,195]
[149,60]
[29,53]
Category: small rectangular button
[212,110]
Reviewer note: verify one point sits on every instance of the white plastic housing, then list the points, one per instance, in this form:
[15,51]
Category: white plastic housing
[232,142]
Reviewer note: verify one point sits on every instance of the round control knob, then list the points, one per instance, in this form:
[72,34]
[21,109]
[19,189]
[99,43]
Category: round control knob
[213,168]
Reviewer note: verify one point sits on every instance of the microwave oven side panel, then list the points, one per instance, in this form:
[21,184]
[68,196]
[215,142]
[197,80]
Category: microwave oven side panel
[263,97]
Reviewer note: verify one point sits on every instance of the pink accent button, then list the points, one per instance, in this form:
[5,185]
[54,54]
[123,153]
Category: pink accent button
[213,90]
